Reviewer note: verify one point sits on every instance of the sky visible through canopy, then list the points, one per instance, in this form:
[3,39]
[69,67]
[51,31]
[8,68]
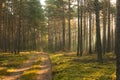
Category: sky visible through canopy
[43,1]
[113,1]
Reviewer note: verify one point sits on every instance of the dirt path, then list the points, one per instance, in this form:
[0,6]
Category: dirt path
[44,73]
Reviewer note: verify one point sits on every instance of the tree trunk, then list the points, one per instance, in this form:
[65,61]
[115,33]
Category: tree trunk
[109,40]
[104,26]
[117,41]
[81,41]
[98,39]
[69,32]
[78,46]
[1,1]
[63,26]
[90,48]
[19,28]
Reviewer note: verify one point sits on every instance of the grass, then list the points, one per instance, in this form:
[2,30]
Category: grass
[71,67]
[10,62]
[65,66]
[32,73]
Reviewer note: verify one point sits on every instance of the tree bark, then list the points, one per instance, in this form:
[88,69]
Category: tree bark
[90,46]
[98,39]
[63,25]
[78,46]
[117,41]
[69,32]
[104,26]
[109,40]
[81,24]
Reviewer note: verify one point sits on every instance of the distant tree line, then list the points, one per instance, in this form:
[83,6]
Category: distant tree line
[84,26]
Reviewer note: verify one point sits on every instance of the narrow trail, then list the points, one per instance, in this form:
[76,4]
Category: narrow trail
[45,72]
[27,65]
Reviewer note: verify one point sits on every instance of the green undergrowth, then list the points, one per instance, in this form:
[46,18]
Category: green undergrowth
[30,74]
[67,66]
[9,63]
[33,72]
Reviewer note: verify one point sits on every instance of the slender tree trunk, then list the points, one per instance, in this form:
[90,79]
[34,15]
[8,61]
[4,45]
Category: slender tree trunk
[98,39]
[84,30]
[90,48]
[117,41]
[104,26]
[1,1]
[19,28]
[109,40]
[78,46]
[14,27]
[3,31]
[48,35]
[112,32]
[81,24]
[69,24]
[63,26]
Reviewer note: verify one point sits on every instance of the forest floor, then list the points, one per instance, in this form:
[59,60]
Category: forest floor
[25,66]
[67,66]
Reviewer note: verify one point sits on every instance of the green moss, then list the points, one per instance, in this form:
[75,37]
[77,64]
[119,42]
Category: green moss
[32,73]
[67,67]
[10,61]
[28,76]
[4,72]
